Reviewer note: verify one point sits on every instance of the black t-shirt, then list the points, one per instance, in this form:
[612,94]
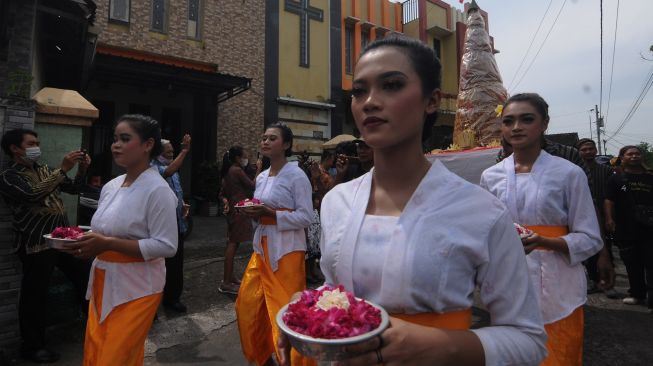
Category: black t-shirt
[626,189]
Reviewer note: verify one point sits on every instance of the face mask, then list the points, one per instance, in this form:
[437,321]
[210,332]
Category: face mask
[163,160]
[33,153]
[244,162]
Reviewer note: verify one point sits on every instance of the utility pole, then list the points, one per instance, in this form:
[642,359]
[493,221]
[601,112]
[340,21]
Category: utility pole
[589,115]
[599,124]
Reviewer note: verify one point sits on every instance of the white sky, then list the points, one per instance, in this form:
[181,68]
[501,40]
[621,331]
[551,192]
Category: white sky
[567,71]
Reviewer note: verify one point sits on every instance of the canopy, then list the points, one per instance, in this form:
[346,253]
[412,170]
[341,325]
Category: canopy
[64,102]
[336,140]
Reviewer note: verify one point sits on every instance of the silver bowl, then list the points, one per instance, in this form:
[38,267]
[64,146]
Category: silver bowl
[57,243]
[330,349]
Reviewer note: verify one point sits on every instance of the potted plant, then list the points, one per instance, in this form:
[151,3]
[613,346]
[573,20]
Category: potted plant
[209,187]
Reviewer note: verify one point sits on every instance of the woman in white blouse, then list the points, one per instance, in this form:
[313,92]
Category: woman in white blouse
[276,270]
[417,239]
[551,196]
[133,230]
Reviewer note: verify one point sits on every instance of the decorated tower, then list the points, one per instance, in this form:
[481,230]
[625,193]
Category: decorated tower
[480,88]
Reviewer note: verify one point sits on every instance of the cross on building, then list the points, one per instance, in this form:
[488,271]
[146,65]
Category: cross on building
[306,12]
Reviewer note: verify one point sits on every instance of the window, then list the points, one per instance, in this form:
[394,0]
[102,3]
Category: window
[119,11]
[193,30]
[365,39]
[159,16]
[437,47]
[349,51]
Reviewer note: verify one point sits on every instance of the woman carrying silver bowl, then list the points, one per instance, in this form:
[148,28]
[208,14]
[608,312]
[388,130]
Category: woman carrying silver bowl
[417,239]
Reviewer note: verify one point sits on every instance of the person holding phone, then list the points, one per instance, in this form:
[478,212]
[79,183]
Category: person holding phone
[32,191]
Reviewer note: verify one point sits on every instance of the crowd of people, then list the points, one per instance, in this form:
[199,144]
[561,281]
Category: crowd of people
[374,215]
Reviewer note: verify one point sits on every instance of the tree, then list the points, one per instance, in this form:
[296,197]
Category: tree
[647,153]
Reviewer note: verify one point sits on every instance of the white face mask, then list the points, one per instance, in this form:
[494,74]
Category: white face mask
[33,153]
[163,160]
[244,162]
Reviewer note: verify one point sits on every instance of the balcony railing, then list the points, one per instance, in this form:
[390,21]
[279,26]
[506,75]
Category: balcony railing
[410,10]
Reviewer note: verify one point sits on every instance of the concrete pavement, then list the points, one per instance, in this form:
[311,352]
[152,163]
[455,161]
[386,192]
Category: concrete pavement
[615,334]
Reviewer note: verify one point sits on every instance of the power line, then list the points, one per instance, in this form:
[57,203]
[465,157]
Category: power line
[614,48]
[614,145]
[632,140]
[530,45]
[635,135]
[623,144]
[638,101]
[542,45]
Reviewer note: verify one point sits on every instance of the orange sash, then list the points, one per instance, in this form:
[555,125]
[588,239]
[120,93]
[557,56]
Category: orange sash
[455,320]
[117,257]
[550,231]
[272,220]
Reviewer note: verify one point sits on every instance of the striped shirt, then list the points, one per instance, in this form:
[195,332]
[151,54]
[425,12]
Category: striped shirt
[33,196]
[600,174]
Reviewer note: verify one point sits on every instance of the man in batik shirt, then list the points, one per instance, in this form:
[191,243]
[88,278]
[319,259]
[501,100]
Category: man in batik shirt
[32,192]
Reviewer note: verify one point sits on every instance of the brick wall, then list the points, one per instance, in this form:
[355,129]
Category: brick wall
[14,113]
[232,36]
[15,69]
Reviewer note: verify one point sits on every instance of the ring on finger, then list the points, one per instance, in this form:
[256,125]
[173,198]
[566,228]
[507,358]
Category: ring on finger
[379,356]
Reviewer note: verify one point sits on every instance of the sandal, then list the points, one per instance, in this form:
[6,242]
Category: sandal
[229,288]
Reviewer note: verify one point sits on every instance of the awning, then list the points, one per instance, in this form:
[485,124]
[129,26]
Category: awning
[61,106]
[331,144]
[144,69]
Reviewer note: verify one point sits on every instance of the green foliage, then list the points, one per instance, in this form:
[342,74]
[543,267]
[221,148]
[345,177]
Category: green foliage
[19,83]
[209,180]
[647,153]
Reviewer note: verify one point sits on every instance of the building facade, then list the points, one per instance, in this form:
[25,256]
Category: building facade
[197,66]
[434,22]
[300,89]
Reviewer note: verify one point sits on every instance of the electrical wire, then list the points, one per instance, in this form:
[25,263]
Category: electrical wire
[638,101]
[541,45]
[530,45]
[614,48]
[631,139]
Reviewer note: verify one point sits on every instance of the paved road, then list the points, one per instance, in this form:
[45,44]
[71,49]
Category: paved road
[615,334]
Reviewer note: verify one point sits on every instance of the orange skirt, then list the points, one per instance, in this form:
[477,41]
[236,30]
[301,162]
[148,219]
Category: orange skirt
[262,294]
[565,343]
[120,338]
